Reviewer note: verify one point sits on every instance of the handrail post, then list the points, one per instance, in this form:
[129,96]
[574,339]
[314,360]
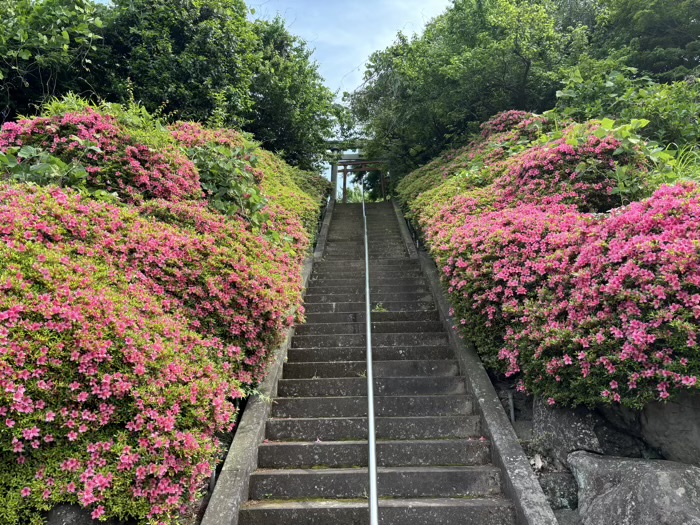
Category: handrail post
[373,499]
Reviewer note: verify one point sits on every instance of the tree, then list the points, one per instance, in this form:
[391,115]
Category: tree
[187,56]
[480,57]
[293,112]
[44,47]
[659,37]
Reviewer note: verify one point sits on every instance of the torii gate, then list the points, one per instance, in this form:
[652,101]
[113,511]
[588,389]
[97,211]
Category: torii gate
[354,163]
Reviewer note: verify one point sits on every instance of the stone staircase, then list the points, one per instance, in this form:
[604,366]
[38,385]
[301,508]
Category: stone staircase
[434,467]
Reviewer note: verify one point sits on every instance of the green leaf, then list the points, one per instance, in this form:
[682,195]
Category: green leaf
[607,124]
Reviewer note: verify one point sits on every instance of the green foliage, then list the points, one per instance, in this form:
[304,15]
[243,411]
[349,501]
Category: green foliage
[192,57]
[658,37]
[181,60]
[44,46]
[299,191]
[32,165]
[607,88]
[423,94]
[228,181]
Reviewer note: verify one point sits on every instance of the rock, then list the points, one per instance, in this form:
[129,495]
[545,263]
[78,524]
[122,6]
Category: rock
[74,515]
[522,403]
[560,489]
[625,491]
[672,427]
[560,431]
[567,517]
[615,442]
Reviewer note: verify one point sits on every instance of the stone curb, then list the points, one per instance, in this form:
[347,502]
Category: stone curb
[231,489]
[405,235]
[323,234]
[519,482]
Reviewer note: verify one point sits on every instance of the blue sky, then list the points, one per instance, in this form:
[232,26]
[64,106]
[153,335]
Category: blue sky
[345,33]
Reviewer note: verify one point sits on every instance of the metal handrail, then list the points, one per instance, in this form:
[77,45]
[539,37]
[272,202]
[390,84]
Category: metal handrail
[373,499]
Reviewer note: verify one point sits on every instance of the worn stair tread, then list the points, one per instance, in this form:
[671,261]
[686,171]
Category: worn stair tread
[384,406]
[378,327]
[359,317]
[354,306]
[479,480]
[404,368]
[356,353]
[383,502]
[354,386]
[390,453]
[389,428]
[472,511]
[378,339]
[375,298]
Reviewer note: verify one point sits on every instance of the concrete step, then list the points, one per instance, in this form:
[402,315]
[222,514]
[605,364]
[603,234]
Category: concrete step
[387,263]
[419,511]
[377,306]
[392,428]
[377,317]
[378,327]
[359,353]
[357,386]
[375,298]
[376,243]
[387,246]
[399,278]
[346,454]
[376,267]
[384,406]
[393,482]
[344,278]
[383,339]
[343,257]
[312,369]
[359,289]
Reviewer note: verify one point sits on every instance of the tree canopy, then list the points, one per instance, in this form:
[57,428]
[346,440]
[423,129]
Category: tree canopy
[194,60]
[430,91]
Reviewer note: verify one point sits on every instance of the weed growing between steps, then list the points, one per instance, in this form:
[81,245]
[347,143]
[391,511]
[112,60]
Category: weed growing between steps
[567,262]
[146,274]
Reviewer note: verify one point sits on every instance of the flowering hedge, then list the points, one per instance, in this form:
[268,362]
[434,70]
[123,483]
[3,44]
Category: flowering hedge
[501,136]
[556,278]
[106,399]
[620,323]
[114,161]
[129,325]
[497,261]
[578,168]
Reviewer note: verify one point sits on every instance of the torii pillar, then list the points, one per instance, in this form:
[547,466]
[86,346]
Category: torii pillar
[334,181]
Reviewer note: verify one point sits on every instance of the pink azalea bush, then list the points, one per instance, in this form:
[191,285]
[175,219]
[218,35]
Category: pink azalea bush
[584,307]
[620,323]
[497,261]
[106,399]
[511,120]
[578,168]
[115,162]
[501,137]
[129,329]
[233,284]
